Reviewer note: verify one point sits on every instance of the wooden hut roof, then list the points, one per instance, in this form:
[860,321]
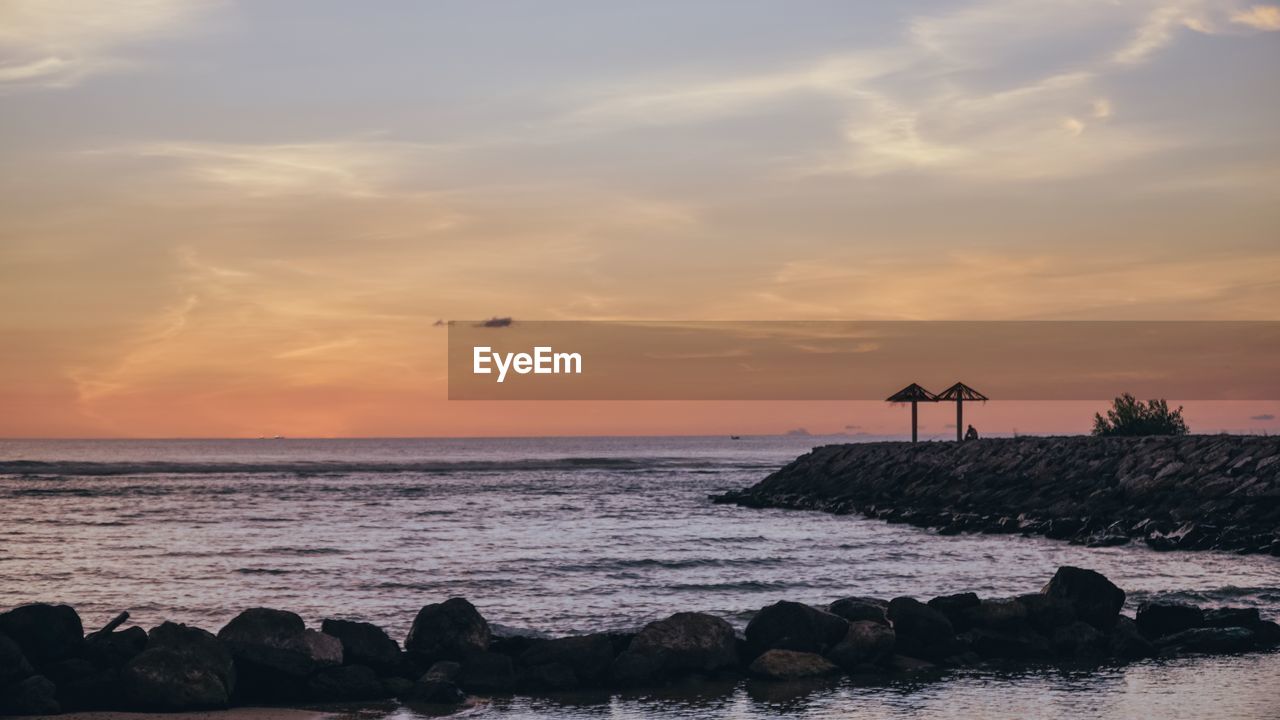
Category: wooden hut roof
[912,393]
[960,391]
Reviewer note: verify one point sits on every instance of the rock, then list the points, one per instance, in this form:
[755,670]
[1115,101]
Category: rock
[1207,641]
[1157,619]
[345,683]
[1046,614]
[35,695]
[1232,617]
[1095,599]
[434,692]
[854,609]
[789,625]
[448,630]
[484,671]
[991,644]
[114,649]
[364,644]
[905,664]
[586,657]
[867,642]
[1006,615]
[182,668]
[1127,643]
[637,669]
[445,670]
[790,665]
[1080,641]
[13,664]
[685,642]
[920,631]
[274,653]
[46,633]
[956,608]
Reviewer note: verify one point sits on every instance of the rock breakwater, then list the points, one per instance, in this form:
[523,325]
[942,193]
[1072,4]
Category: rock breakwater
[451,654]
[1174,493]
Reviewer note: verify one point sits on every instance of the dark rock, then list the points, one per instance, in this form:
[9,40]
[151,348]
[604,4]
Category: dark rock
[13,664]
[446,670]
[278,640]
[1232,617]
[1046,614]
[434,692]
[854,609]
[920,631]
[345,683]
[905,664]
[552,676]
[867,642]
[182,668]
[484,671]
[1005,614]
[114,649]
[396,686]
[1006,644]
[1127,643]
[1080,641]
[587,657]
[1208,641]
[684,642]
[448,630]
[35,695]
[1157,619]
[46,633]
[364,644]
[637,669]
[790,665]
[789,625]
[1095,599]
[956,608]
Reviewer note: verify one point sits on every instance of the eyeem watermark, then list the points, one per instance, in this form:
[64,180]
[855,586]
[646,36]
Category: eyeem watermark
[543,361]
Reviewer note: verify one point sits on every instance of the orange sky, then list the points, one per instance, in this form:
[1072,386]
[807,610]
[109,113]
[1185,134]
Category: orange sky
[238,219]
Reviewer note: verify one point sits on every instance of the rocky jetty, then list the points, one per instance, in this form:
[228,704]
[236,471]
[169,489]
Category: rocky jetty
[48,665]
[1193,492]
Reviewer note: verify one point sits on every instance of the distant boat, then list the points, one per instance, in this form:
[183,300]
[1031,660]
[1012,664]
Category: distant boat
[735,437]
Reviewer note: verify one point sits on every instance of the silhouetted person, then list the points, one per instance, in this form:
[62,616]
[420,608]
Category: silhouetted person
[970,434]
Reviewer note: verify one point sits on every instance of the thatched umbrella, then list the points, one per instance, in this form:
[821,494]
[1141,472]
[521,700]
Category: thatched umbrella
[958,393]
[913,394]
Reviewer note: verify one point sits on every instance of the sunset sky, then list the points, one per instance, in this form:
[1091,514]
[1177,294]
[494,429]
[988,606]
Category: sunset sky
[244,219]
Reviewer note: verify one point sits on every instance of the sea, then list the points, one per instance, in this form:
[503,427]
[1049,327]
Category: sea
[571,535]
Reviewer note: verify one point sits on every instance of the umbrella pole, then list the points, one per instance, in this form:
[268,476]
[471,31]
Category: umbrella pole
[959,420]
[913,421]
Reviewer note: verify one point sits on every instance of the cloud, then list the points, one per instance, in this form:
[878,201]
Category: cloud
[57,43]
[1263,417]
[1259,17]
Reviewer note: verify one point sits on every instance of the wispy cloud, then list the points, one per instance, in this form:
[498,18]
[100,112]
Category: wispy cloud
[1259,17]
[57,43]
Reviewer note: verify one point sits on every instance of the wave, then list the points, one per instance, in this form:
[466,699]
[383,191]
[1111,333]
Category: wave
[326,467]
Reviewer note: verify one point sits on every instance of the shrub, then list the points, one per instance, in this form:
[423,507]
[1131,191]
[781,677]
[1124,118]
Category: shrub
[1130,417]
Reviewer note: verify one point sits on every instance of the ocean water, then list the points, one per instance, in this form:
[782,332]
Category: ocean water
[567,535]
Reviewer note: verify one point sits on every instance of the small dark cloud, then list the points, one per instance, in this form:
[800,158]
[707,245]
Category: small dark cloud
[496,322]
[1263,416]
[852,427]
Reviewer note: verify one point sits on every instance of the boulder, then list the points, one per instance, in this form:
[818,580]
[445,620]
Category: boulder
[345,683]
[278,640]
[35,695]
[13,664]
[789,625]
[790,665]
[689,641]
[1127,643]
[992,644]
[182,668]
[854,609]
[434,692]
[956,608]
[1046,614]
[1006,615]
[637,669]
[1095,599]
[1208,641]
[867,642]
[484,671]
[919,630]
[114,649]
[586,657]
[364,644]
[1079,641]
[46,633]
[1157,619]
[448,630]
[1232,617]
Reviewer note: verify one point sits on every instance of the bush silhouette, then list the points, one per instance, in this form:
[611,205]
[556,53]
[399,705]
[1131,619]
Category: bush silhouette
[1130,417]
